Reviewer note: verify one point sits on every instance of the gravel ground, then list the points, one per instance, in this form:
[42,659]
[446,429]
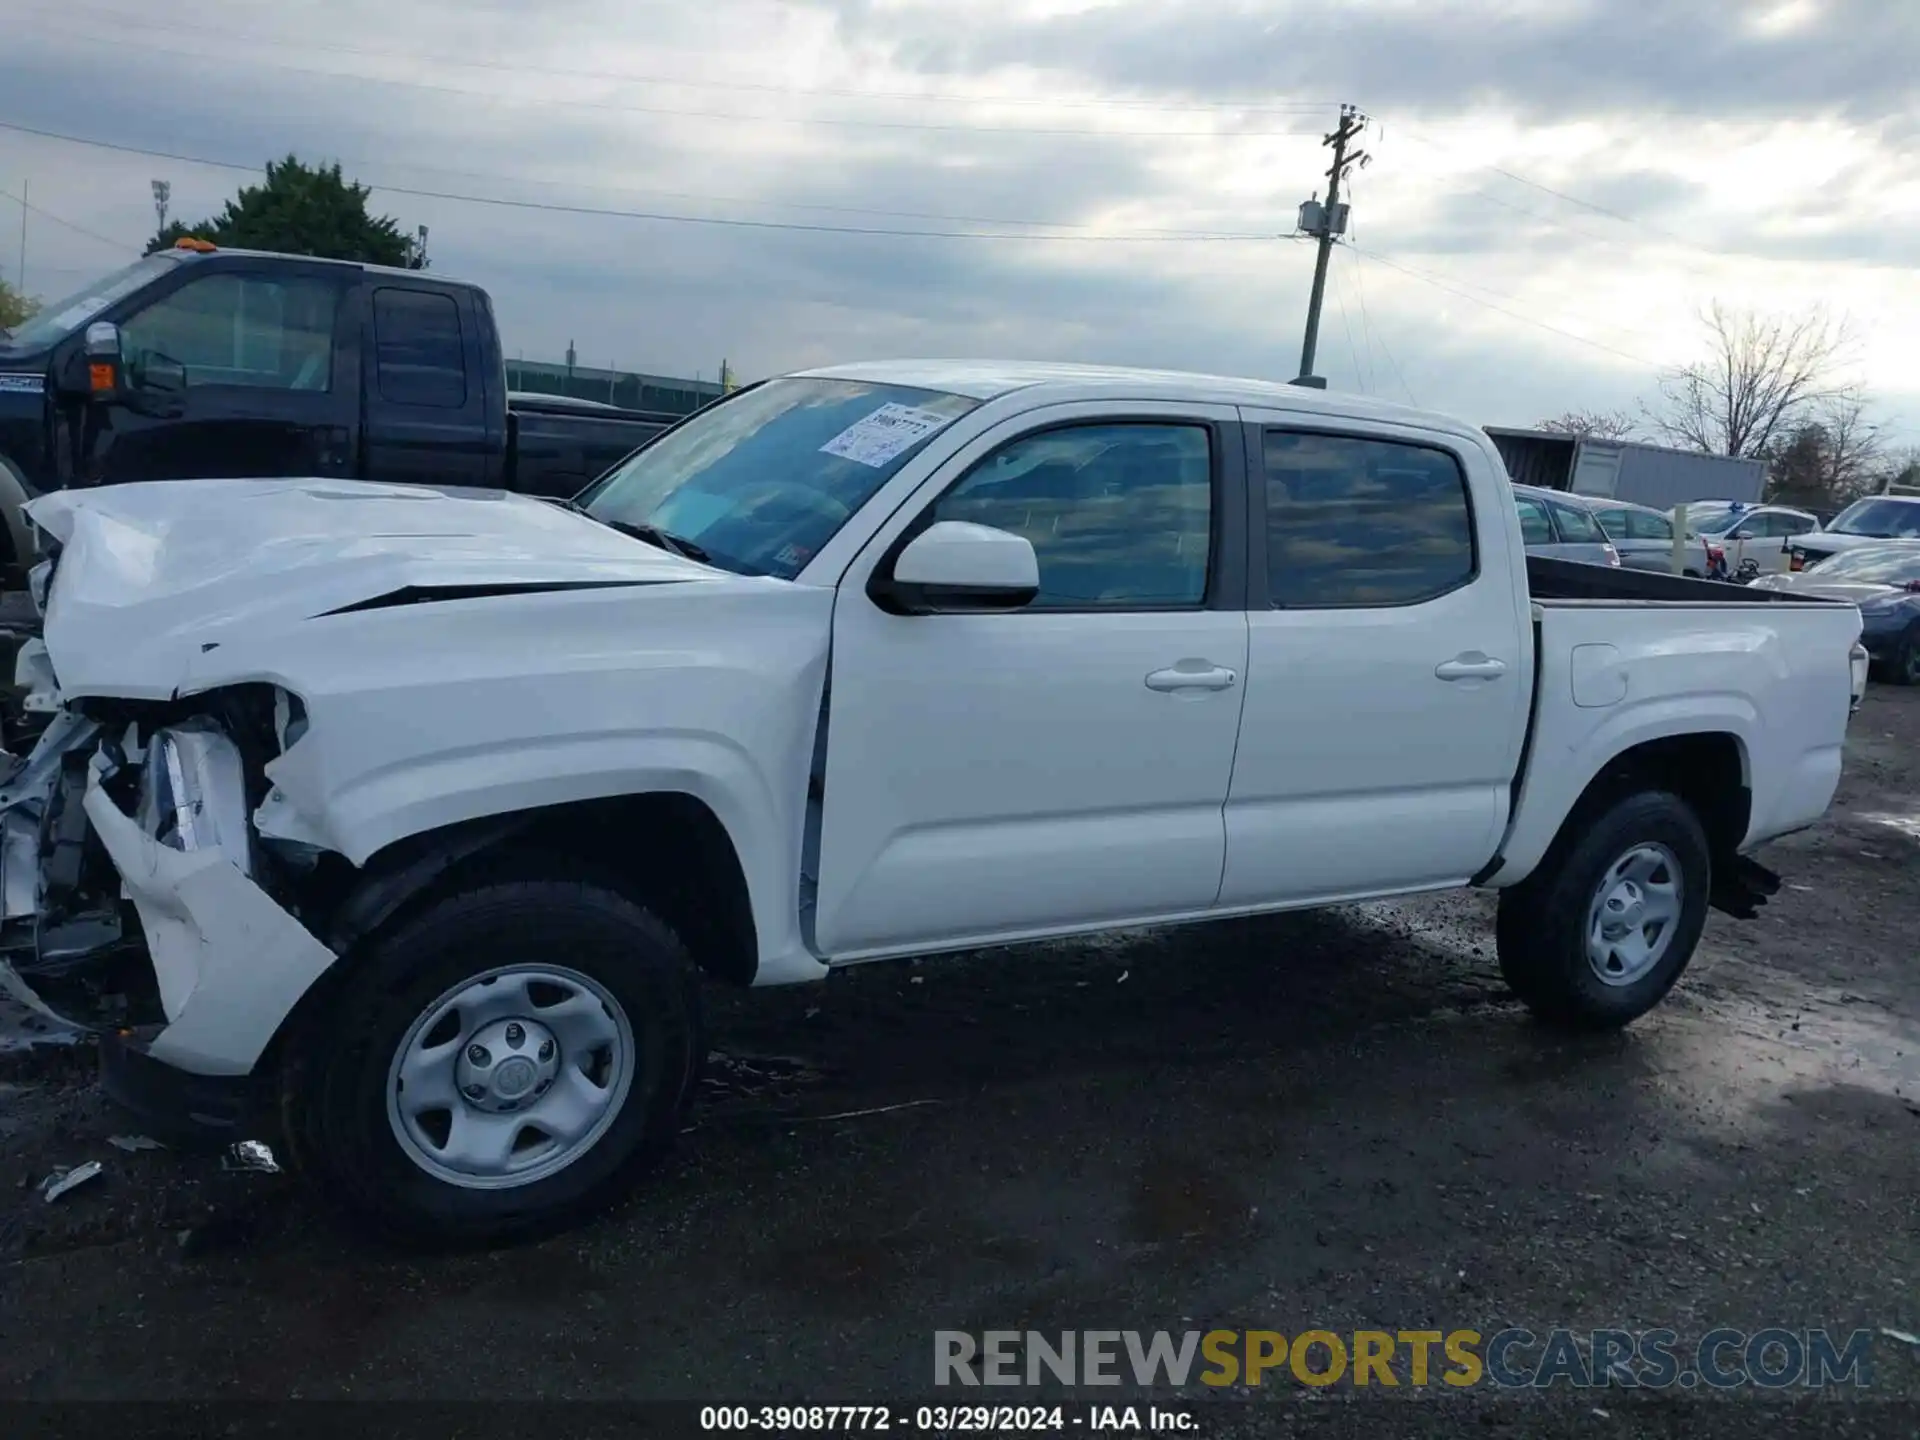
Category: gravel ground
[1334,1121]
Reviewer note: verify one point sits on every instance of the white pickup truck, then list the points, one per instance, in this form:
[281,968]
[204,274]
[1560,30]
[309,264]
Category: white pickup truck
[420,814]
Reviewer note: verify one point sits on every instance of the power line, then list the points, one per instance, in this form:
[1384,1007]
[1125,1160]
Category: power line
[837,121]
[1360,289]
[723,222]
[46,214]
[119,18]
[1379,259]
[1353,351]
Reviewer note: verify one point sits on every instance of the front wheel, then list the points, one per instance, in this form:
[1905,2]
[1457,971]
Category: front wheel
[500,1065]
[1599,933]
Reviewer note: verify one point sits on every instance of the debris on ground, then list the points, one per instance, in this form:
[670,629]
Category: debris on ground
[251,1155]
[132,1143]
[62,1180]
[1901,1335]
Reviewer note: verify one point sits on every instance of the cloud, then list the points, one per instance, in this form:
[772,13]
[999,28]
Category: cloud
[1759,160]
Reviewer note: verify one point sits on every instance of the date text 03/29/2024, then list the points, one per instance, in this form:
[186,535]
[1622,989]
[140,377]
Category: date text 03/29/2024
[949,1419]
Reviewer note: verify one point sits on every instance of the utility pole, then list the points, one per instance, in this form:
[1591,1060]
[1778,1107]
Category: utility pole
[162,193]
[1325,223]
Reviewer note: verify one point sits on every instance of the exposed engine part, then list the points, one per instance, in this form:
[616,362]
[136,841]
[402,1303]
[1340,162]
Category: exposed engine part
[193,795]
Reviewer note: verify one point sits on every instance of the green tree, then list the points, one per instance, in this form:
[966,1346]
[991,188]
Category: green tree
[303,210]
[15,308]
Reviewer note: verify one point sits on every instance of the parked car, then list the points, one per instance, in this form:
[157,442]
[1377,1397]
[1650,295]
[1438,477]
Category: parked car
[1884,581]
[1865,522]
[1759,533]
[204,362]
[432,804]
[1560,527]
[1644,539]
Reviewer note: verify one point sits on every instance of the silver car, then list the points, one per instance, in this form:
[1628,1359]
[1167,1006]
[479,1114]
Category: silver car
[1644,537]
[1561,527]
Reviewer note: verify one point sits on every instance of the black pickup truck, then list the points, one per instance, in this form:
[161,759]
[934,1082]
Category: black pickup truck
[230,363]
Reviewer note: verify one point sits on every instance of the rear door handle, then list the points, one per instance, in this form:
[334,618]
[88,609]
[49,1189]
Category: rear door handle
[1200,677]
[1471,666]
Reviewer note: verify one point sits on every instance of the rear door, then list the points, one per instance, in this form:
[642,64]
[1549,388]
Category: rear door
[1387,667]
[427,386]
[266,349]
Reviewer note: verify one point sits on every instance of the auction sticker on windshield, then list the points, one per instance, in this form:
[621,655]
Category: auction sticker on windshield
[876,439]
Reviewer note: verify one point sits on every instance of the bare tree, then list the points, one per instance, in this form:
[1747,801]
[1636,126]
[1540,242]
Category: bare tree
[1593,425]
[1763,374]
[1831,457]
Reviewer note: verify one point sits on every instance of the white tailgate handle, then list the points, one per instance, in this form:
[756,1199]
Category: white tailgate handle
[1471,666]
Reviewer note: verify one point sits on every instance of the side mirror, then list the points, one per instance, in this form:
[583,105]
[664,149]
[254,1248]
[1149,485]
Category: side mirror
[105,365]
[955,567]
[162,373]
[1741,535]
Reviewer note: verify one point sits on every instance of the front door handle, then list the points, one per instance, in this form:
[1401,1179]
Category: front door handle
[1200,677]
[1471,666]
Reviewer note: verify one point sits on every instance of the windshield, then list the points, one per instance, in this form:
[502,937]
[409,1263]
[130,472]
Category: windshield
[1874,564]
[1879,516]
[761,481]
[53,323]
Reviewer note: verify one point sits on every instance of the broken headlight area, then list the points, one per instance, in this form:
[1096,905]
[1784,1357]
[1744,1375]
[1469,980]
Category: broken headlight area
[188,774]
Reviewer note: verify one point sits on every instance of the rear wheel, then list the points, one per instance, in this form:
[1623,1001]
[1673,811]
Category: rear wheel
[1599,933]
[1905,669]
[503,1064]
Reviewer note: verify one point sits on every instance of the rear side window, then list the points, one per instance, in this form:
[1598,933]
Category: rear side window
[421,359]
[1642,526]
[1614,522]
[1535,527]
[1354,521]
[1577,526]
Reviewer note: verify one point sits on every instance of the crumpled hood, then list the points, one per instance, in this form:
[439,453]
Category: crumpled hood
[151,575]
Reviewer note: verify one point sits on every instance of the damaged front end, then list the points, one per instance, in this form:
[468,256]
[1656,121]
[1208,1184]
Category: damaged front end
[138,895]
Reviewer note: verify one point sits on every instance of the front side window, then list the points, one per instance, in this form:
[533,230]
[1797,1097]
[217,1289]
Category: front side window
[761,480]
[253,331]
[1577,526]
[1120,516]
[1354,521]
[420,356]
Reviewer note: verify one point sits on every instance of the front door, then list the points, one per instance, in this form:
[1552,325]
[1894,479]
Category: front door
[1002,776]
[268,389]
[1387,689]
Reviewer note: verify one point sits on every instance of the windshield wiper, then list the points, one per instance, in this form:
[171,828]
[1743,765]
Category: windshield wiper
[639,530]
[654,535]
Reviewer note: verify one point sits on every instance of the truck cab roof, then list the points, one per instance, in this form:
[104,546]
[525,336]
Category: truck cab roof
[991,379]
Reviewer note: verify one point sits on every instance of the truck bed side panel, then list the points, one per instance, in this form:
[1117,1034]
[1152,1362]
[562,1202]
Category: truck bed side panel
[1775,677]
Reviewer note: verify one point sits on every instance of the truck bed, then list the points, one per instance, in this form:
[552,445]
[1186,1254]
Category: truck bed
[1572,580]
[1620,653]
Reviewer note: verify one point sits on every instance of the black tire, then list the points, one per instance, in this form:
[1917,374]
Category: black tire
[1904,668]
[1541,932]
[334,1074]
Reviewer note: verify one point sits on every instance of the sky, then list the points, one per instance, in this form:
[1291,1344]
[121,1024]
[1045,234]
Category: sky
[1556,187]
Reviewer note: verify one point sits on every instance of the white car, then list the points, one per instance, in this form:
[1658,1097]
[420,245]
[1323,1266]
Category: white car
[432,806]
[1867,521]
[1764,534]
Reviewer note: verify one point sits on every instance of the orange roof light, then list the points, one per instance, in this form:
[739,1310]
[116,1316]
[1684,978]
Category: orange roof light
[194,243]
